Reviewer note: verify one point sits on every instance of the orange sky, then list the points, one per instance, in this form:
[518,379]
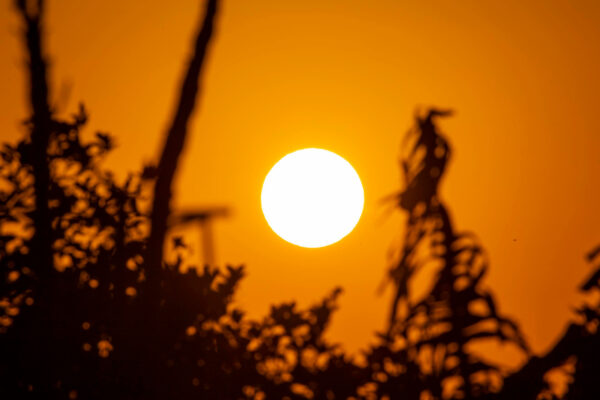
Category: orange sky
[346,75]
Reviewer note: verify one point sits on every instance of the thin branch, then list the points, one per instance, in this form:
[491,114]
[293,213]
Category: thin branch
[175,140]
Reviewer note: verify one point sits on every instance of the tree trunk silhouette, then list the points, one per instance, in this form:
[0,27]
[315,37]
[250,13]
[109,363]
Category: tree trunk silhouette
[36,155]
[41,121]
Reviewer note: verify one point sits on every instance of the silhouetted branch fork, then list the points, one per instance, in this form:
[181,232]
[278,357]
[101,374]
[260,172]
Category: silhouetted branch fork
[175,140]
[31,13]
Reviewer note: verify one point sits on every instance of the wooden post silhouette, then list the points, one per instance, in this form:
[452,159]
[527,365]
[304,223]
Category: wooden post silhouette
[204,219]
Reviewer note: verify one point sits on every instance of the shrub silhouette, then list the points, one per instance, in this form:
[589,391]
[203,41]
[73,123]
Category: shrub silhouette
[90,307]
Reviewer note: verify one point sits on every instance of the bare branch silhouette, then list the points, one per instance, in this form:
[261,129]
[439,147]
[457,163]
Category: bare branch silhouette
[175,140]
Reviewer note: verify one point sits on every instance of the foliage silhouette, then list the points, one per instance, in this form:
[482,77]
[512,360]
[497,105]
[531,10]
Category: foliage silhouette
[426,347]
[91,308]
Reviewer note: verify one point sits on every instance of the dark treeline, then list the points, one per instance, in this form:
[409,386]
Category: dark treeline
[92,308]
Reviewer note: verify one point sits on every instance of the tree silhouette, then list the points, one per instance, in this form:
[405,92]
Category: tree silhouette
[91,308]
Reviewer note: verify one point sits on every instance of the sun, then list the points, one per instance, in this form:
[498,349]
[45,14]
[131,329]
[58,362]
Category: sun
[312,198]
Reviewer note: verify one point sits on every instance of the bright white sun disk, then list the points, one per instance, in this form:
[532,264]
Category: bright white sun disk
[312,198]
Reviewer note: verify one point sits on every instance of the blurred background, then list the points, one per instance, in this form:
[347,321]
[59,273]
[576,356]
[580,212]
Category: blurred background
[347,76]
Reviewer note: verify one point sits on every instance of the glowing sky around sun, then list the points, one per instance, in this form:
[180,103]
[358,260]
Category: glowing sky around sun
[347,75]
